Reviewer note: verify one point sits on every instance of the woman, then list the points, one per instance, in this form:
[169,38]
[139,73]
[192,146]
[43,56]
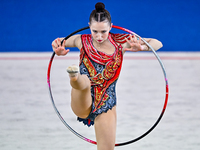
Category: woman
[93,96]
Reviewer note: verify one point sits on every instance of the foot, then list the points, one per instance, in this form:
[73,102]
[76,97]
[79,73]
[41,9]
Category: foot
[73,72]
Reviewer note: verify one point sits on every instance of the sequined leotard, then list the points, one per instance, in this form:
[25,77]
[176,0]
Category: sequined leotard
[103,71]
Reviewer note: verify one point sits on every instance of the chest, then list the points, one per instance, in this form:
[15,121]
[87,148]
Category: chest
[107,48]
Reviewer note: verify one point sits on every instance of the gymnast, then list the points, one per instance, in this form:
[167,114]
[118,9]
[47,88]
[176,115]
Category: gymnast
[93,95]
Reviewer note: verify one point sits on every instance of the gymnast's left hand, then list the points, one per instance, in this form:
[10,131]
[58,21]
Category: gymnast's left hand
[134,44]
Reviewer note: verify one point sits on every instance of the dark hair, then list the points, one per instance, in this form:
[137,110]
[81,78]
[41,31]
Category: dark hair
[100,14]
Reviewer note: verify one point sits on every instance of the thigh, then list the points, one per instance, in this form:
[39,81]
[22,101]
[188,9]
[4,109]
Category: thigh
[105,129]
[81,100]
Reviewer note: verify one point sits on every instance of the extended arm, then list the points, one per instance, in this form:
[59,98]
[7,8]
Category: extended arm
[135,44]
[153,42]
[73,41]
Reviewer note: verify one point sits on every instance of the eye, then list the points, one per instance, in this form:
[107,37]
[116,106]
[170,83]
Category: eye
[104,31]
[94,31]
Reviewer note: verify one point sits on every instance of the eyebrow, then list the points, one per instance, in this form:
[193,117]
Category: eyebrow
[100,31]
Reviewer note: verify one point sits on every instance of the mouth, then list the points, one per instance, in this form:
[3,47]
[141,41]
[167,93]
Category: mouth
[99,41]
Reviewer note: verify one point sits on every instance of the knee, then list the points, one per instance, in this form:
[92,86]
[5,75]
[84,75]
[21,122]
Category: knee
[80,110]
[82,83]
[80,114]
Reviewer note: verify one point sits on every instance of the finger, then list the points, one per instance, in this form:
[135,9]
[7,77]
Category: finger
[63,43]
[128,41]
[140,40]
[53,46]
[67,51]
[135,39]
[130,49]
[127,49]
[131,38]
[59,42]
[56,42]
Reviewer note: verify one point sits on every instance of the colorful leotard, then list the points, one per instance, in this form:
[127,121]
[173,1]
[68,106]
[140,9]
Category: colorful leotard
[103,71]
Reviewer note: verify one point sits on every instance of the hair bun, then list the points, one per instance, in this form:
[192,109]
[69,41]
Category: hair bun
[100,7]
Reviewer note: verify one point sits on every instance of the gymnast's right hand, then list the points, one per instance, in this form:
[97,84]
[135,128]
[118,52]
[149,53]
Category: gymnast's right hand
[58,48]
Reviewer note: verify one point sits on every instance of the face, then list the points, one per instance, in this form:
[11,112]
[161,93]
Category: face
[100,30]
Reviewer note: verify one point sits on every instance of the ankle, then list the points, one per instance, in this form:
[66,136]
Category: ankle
[73,72]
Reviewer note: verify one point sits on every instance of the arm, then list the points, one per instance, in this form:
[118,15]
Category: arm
[153,42]
[73,41]
[135,44]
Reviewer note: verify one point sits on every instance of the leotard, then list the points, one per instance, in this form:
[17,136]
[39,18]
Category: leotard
[103,71]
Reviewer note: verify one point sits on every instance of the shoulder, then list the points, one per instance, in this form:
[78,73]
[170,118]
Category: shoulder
[77,40]
[82,39]
[77,37]
[86,36]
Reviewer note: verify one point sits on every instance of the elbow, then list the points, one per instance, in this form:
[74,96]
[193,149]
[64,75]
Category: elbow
[161,45]
[158,45]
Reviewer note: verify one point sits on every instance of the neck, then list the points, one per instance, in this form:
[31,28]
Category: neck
[97,44]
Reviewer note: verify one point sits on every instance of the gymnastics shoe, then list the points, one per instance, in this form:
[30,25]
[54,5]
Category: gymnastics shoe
[73,70]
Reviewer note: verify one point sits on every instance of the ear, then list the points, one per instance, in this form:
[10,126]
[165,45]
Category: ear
[89,24]
[111,26]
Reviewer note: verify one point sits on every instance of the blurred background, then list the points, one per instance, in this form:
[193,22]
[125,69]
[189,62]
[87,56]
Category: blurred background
[30,26]
[27,118]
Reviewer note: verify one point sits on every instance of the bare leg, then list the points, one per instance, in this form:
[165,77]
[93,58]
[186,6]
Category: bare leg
[105,123]
[105,128]
[81,100]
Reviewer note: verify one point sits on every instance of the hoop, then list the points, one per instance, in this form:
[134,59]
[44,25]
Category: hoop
[118,144]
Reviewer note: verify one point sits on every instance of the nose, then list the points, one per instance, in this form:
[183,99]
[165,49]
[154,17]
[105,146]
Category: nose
[99,35]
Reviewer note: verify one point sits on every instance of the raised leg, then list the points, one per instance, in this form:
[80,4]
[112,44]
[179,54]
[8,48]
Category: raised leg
[81,100]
